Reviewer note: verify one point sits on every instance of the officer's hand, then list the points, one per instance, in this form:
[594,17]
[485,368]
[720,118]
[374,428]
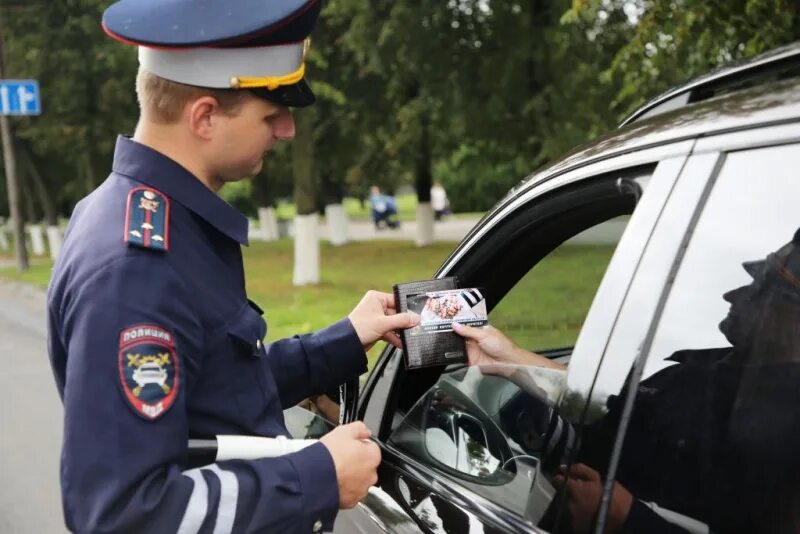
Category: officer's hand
[375,318]
[356,460]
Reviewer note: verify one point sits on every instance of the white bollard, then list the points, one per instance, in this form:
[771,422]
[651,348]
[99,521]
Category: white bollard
[424,224]
[37,239]
[306,250]
[337,224]
[54,240]
[4,244]
[253,231]
[268,224]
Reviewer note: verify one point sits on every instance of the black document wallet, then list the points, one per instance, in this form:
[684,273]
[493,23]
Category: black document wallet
[423,348]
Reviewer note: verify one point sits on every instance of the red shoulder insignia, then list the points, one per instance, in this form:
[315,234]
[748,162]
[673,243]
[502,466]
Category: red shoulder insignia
[147,219]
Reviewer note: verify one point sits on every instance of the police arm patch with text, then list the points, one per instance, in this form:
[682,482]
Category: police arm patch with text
[148,369]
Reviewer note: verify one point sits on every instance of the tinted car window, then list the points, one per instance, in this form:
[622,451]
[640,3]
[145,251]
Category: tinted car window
[711,442]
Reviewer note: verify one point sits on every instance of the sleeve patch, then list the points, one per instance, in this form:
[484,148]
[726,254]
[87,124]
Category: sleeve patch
[148,369]
[147,219]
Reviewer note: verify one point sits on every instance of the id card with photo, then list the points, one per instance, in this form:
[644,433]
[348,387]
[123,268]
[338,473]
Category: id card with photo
[438,309]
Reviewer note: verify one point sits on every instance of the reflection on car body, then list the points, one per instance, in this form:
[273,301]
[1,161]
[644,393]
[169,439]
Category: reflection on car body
[702,184]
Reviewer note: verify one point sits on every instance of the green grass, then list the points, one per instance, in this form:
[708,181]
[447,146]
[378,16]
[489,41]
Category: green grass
[347,273]
[38,274]
[545,309]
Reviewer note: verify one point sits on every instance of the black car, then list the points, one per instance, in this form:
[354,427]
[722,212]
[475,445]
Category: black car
[699,433]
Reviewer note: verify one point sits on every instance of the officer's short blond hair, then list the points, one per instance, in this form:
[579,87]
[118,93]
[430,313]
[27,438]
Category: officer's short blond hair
[163,100]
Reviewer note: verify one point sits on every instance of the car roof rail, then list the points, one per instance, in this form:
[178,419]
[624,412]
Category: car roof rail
[783,61]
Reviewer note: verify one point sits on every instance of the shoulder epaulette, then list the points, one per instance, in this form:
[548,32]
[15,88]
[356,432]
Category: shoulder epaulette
[147,219]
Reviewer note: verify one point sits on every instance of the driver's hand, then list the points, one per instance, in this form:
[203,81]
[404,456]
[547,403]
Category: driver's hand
[487,345]
[489,348]
[584,492]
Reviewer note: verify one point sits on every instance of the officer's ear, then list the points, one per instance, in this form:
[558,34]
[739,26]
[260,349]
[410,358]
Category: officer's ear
[203,113]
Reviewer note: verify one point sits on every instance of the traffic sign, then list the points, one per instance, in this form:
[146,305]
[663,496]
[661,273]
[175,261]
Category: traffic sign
[19,97]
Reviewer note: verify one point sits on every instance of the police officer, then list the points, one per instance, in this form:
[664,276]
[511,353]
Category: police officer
[151,336]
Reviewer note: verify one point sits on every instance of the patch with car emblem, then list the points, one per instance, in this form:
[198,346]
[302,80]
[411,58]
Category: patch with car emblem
[148,369]
[147,219]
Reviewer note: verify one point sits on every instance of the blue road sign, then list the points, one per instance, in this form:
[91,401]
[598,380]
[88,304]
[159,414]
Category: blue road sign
[19,97]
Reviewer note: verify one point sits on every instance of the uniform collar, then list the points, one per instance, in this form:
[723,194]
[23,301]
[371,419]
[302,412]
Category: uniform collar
[150,167]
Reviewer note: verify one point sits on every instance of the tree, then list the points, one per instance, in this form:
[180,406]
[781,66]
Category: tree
[412,49]
[306,239]
[87,86]
[473,93]
[319,151]
[674,40]
[476,94]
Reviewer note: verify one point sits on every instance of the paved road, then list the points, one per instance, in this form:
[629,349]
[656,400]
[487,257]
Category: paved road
[30,418]
[450,229]
[454,230]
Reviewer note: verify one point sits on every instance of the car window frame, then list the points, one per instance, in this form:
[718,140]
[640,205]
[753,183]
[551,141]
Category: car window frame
[375,408]
[583,201]
[380,386]
[664,254]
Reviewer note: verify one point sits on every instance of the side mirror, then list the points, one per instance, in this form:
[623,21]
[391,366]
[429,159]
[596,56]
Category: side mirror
[459,441]
[461,438]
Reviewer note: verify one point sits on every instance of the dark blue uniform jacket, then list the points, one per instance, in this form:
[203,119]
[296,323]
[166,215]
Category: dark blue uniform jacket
[150,345]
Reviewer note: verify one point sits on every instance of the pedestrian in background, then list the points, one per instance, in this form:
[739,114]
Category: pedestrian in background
[383,209]
[439,202]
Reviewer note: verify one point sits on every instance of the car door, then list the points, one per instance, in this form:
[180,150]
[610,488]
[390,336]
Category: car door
[696,393]
[457,454]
